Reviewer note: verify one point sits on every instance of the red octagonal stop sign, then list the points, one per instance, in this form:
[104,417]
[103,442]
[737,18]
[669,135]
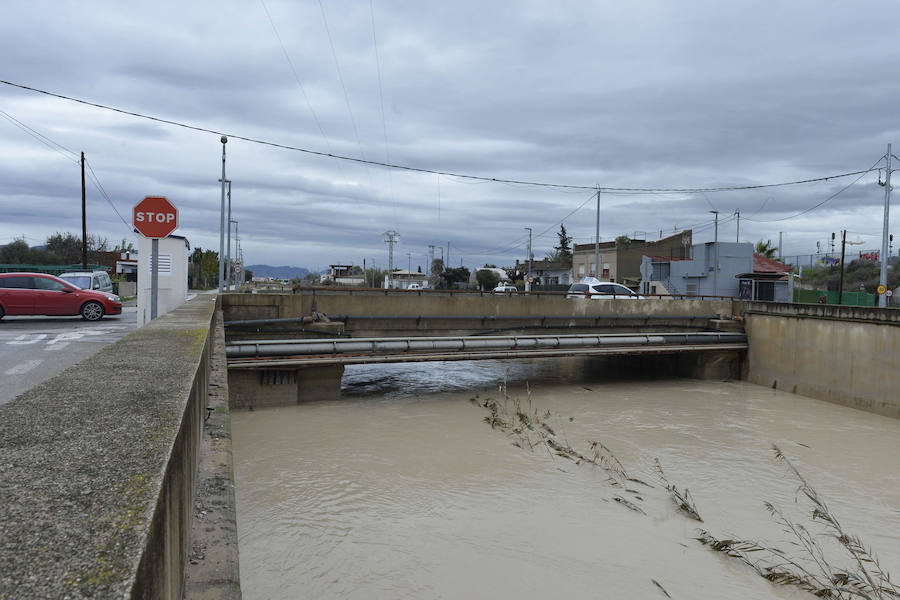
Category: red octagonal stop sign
[155,217]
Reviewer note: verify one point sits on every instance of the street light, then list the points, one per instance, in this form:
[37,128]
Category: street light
[716,250]
[224,141]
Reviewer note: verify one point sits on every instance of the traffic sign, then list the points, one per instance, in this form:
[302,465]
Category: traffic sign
[155,217]
[881,289]
[889,293]
[237,267]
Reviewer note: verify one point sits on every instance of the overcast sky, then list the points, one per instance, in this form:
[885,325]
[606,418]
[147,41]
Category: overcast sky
[611,94]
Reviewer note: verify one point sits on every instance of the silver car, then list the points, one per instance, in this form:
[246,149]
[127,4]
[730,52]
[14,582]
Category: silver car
[590,287]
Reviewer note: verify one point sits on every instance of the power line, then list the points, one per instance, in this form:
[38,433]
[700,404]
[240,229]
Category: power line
[96,181]
[56,147]
[422,170]
[826,200]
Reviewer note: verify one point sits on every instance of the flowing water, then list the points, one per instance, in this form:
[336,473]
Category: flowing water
[401,490]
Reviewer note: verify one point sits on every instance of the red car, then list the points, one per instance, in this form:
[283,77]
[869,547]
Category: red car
[42,294]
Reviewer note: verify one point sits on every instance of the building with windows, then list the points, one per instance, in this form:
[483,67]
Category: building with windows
[620,261]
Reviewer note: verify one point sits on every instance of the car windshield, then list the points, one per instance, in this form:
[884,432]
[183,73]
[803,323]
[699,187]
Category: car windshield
[82,281]
[579,287]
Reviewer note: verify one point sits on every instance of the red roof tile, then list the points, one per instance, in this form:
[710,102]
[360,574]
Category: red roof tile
[761,264]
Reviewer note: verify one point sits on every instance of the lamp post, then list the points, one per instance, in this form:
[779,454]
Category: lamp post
[716,251]
[224,141]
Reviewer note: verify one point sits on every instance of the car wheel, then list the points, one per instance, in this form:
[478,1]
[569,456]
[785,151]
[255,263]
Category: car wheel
[92,311]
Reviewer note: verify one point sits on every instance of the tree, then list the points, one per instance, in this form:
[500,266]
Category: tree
[766,248]
[204,269]
[124,247]
[563,250]
[16,252]
[66,247]
[457,275]
[487,279]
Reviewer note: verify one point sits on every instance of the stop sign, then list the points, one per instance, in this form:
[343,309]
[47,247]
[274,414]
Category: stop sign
[155,217]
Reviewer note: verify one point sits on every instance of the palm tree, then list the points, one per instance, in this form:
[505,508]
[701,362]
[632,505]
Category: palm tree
[766,248]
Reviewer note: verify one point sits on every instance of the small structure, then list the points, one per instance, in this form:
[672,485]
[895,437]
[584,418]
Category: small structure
[344,275]
[172,273]
[401,279]
[770,281]
[620,261]
[545,273]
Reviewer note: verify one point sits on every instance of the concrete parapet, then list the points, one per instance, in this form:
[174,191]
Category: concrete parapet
[258,388]
[97,467]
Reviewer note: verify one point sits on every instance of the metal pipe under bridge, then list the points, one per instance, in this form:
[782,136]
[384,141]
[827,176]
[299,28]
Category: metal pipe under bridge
[268,354]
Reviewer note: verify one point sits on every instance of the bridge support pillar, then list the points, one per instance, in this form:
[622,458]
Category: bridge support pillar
[256,388]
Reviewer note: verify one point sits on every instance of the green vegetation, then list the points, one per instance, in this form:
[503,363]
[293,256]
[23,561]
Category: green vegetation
[766,248]
[60,248]
[856,273]
[487,280]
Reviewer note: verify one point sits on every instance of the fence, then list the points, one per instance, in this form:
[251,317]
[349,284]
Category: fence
[824,297]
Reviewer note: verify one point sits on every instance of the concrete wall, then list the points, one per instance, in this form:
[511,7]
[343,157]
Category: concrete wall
[842,354]
[99,463]
[531,308]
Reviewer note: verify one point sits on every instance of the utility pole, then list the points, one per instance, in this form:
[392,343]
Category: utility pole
[447,264]
[597,239]
[408,263]
[224,141]
[430,260]
[391,239]
[528,275]
[841,281]
[780,254]
[716,252]
[84,217]
[738,236]
[228,263]
[885,252]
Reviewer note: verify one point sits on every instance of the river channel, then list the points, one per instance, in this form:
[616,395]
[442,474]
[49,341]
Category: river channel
[402,490]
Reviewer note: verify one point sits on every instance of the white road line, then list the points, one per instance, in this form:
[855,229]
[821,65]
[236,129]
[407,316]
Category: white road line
[23,339]
[24,367]
[56,345]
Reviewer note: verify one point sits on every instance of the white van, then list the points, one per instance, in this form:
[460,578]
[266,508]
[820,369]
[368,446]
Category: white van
[591,287]
[89,280]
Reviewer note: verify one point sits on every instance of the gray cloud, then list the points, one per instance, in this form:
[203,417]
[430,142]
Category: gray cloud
[648,95]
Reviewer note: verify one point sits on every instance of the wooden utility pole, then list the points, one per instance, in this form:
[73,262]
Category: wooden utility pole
[83,219]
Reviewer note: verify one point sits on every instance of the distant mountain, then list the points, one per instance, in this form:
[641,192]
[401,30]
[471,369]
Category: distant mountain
[284,272]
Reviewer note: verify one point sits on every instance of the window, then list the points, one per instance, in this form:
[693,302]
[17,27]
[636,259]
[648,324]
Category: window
[42,283]
[26,283]
[765,291]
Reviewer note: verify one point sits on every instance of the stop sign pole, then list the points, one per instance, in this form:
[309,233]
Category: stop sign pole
[155,217]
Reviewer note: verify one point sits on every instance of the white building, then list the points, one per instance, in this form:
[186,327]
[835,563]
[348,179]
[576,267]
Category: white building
[172,275]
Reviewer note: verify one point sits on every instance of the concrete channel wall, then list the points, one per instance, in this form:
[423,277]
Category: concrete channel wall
[842,354]
[98,467]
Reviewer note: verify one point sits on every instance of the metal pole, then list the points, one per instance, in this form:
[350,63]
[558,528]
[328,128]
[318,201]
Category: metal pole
[229,278]
[841,281]
[716,252]
[528,274]
[154,277]
[222,222]
[597,240]
[780,253]
[84,240]
[885,253]
[738,236]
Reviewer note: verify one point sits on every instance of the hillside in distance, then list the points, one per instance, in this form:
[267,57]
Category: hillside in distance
[283,272]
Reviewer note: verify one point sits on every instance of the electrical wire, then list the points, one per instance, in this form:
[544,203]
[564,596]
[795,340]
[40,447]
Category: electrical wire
[422,170]
[826,200]
[58,148]
[96,181]
[387,154]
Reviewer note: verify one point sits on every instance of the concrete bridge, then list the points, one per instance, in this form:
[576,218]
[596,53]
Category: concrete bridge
[115,484]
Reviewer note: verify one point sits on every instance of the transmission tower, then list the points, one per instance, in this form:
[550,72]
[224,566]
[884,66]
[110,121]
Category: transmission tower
[390,238]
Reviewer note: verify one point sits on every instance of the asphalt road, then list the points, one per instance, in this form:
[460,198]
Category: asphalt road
[34,349]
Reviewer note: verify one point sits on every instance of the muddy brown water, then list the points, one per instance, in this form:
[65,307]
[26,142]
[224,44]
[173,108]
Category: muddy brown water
[400,490]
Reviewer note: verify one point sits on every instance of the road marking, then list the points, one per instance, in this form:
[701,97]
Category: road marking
[54,345]
[23,339]
[24,367]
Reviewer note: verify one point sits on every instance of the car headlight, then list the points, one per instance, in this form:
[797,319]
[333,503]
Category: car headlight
[112,298]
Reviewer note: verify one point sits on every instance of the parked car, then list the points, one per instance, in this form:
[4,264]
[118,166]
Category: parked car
[89,280]
[591,287]
[414,286]
[506,289]
[42,294]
